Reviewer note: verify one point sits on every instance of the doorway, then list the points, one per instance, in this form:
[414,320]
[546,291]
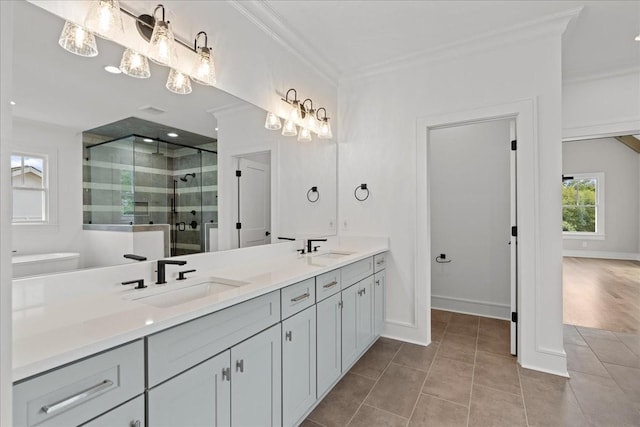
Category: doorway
[472,187]
[252,193]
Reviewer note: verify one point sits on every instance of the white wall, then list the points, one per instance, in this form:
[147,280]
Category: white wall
[601,105]
[470,207]
[64,149]
[378,143]
[620,165]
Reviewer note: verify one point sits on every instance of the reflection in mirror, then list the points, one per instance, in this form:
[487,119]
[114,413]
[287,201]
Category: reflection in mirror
[62,99]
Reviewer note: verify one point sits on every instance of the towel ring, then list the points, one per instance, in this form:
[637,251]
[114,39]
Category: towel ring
[313,189]
[361,187]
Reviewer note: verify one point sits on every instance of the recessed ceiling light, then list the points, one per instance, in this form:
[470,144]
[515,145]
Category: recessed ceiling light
[12,102]
[148,140]
[216,129]
[112,69]
[638,38]
[172,134]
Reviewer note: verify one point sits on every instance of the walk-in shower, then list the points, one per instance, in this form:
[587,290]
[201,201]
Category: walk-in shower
[145,180]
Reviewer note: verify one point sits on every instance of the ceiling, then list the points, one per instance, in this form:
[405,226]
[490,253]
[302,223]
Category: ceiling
[348,36]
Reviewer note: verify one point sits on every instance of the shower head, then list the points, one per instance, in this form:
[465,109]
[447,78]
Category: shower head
[184,178]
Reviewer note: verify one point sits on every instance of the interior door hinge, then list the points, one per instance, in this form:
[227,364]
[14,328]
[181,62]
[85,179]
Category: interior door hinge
[238,173]
[514,317]
[238,225]
[514,145]
[514,231]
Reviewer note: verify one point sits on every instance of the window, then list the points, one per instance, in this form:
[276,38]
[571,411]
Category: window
[583,205]
[30,188]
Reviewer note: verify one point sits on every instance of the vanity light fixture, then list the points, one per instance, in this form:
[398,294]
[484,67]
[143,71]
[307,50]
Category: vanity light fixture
[289,128]
[162,43]
[272,122]
[104,18]
[309,116]
[178,82]
[295,113]
[78,40]
[324,129]
[135,64]
[203,71]
[304,135]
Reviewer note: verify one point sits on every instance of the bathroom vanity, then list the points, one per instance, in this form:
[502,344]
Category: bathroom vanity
[249,343]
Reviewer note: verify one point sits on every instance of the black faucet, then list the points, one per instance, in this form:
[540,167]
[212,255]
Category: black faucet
[161,268]
[310,243]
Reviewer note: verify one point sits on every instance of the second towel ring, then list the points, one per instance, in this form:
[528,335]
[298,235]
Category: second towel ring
[313,190]
[361,187]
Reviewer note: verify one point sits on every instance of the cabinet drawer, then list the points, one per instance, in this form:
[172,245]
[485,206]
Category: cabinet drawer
[379,262]
[355,272]
[327,284]
[130,414]
[298,296]
[79,392]
[177,349]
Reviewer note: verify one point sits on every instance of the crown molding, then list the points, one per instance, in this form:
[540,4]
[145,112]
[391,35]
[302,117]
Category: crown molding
[554,24]
[583,78]
[263,16]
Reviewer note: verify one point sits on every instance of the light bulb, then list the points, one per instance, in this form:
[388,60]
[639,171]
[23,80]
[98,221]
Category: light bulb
[324,132]
[78,40]
[304,135]
[310,121]
[104,18]
[161,44]
[289,128]
[135,64]
[204,71]
[178,82]
[272,121]
[295,113]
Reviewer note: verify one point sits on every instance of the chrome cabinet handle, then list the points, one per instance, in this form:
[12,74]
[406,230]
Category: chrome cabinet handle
[135,423]
[288,336]
[300,297]
[380,262]
[359,292]
[340,304]
[378,282]
[330,284]
[48,409]
[226,374]
[239,365]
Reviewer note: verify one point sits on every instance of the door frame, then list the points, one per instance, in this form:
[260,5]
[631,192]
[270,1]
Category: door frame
[524,113]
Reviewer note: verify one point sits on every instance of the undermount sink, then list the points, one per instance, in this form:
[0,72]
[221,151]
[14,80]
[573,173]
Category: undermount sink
[173,294]
[333,254]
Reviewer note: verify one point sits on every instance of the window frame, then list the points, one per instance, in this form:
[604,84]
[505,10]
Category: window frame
[599,234]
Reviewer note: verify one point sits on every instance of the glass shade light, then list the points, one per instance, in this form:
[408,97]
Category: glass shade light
[178,82]
[295,114]
[272,122]
[324,130]
[135,64]
[204,71]
[310,121]
[304,135]
[104,18]
[78,40]
[289,128]
[162,44]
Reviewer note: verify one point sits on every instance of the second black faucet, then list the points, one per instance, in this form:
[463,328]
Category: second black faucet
[161,268]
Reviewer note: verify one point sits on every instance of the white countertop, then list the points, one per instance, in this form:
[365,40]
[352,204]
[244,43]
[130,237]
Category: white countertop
[51,333]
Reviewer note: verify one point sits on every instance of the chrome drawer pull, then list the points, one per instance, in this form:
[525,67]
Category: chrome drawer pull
[240,365]
[48,409]
[330,285]
[288,336]
[226,374]
[301,297]
[380,262]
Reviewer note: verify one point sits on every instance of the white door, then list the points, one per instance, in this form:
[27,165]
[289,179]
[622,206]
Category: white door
[514,239]
[254,203]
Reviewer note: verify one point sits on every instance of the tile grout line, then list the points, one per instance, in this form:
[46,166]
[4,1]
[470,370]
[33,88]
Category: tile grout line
[473,374]
[524,405]
[415,405]
[374,384]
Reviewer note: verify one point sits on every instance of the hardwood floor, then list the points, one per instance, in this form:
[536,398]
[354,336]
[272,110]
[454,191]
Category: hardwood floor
[602,293]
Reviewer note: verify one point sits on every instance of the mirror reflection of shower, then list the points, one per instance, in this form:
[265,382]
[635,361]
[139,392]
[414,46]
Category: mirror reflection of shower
[144,180]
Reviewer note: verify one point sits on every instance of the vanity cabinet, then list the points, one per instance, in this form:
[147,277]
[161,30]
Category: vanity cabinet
[200,396]
[357,320]
[298,365]
[379,293]
[329,342]
[256,375]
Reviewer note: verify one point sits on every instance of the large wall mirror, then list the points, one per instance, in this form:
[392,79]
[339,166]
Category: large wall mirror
[105,165]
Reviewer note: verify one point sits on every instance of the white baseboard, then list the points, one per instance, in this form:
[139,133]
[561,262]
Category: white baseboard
[469,306]
[602,255]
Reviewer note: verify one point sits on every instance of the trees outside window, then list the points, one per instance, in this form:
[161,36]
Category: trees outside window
[582,204]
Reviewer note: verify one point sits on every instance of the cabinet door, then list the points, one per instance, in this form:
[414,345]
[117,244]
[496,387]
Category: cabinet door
[256,375]
[329,339]
[298,365]
[379,292]
[200,396]
[131,414]
[349,326]
[364,312]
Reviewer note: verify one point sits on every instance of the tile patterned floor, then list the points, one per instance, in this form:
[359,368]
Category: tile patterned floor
[466,377]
